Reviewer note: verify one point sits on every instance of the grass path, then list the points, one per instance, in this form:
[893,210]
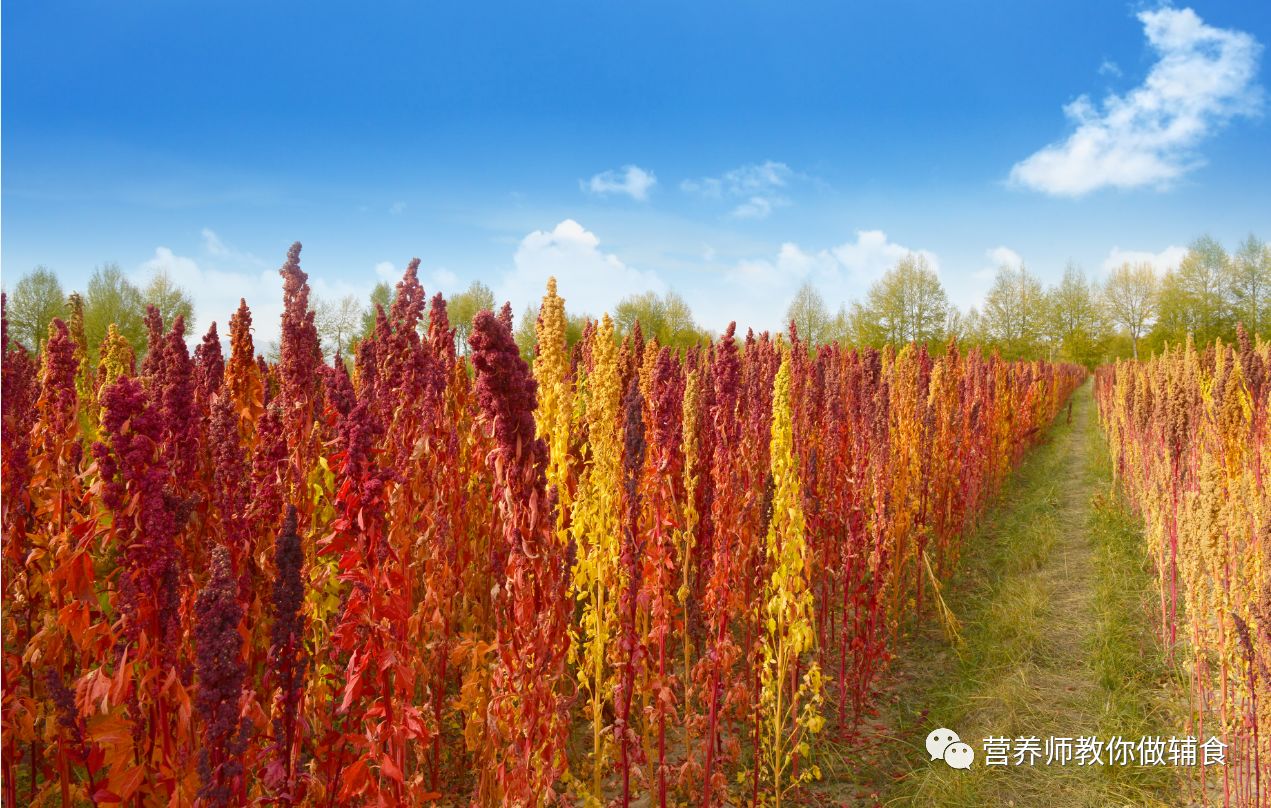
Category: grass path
[1055,600]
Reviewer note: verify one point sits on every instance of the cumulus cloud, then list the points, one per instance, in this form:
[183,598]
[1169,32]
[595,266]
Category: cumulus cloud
[872,254]
[753,291]
[784,273]
[165,261]
[755,189]
[1000,256]
[590,279]
[215,281]
[761,288]
[220,275]
[1004,256]
[1203,77]
[444,281]
[1167,259]
[630,180]
[433,280]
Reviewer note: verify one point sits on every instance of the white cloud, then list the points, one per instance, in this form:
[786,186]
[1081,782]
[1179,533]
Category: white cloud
[436,280]
[709,187]
[755,292]
[397,208]
[1003,255]
[998,257]
[215,287]
[1167,259]
[762,177]
[218,249]
[165,260]
[1110,68]
[1203,77]
[212,243]
[872,254]
[757,207]
[590,280]
[444,281]
[631,180]
[760,187]
[760,289]
[787,271]
[217,278]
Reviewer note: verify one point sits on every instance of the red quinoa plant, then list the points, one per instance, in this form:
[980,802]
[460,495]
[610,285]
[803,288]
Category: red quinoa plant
[631,576]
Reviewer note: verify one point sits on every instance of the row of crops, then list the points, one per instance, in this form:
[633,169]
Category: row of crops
[624,575]
[1188,435]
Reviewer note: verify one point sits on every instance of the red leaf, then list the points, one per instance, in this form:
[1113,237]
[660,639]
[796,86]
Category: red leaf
[128,782]
[355,779]
[390,769]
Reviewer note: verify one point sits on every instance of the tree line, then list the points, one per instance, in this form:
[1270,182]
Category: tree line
[1134,310]
[109,297]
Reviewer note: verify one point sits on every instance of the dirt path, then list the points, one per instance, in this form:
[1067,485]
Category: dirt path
[1055,603]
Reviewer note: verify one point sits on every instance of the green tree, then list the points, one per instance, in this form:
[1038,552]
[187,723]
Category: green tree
[808,312]
[1130,298]
[338,323]
[36,300]
[525,335]
[1014,313]
[1075,319]
[575,325]
[527,338]
[112,298]
[907,304]
[667,318]
[382,295]
[1194,298]
[1250,285]
[463,307]
[967,327]
[169,299]
[840,328]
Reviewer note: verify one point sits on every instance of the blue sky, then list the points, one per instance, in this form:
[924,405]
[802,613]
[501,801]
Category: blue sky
[727,150]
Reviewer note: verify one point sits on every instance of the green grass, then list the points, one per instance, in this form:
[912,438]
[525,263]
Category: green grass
[1054,596]
[1141,687]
